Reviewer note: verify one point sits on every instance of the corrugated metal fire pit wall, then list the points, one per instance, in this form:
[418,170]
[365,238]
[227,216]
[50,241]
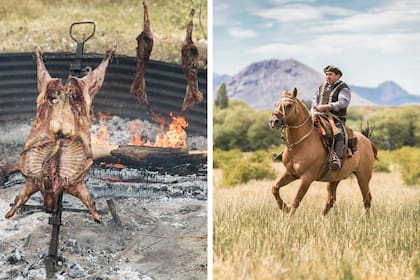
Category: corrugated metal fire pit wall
[165,84]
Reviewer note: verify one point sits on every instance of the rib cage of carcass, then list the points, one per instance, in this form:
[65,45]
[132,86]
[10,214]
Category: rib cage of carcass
[57,154]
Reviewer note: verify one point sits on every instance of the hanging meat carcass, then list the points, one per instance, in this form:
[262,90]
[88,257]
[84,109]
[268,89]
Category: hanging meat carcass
[144,49]
[58,154]
[190,58]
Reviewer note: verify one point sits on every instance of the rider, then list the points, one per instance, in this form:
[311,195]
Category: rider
[334,96]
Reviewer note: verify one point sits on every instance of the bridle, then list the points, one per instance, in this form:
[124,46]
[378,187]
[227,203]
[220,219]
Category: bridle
[284,125]
[282,107]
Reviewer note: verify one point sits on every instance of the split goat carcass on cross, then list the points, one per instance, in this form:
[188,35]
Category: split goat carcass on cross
[58,155]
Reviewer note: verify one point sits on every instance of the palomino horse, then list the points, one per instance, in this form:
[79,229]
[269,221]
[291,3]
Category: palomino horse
[306,159]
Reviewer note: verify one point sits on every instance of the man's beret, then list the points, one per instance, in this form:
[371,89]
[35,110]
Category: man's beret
[334,69]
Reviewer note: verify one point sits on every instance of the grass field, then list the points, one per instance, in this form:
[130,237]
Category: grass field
[254,240]
[46,23]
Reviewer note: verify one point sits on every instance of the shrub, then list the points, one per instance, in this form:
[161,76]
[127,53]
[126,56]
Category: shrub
[228,158]
[255,166]
[408,160]
[384,162]
[381,166]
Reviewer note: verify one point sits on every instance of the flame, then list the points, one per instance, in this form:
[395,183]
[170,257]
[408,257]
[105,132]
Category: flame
[167,135]
[172,137]
[101,136]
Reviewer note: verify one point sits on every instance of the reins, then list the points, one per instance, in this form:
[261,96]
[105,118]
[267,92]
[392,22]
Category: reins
[303,138]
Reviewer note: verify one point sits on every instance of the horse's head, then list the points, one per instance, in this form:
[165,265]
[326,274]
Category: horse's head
[285,110]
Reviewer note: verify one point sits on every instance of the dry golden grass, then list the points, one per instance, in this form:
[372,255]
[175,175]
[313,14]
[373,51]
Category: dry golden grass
[254,240]
[46,23]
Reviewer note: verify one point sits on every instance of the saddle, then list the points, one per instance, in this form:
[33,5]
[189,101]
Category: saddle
[327,130]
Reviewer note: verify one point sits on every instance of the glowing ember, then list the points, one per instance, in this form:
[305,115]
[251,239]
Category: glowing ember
[172,137]
[116,165]
[101,136]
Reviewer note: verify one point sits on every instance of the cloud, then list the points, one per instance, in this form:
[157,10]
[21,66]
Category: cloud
[331,45]
[240,33]
[294,13]
[300,13]
[221,14]
[220,6]
[283,2]
[374,21]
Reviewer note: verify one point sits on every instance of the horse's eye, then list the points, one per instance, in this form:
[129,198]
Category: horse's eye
[288,106]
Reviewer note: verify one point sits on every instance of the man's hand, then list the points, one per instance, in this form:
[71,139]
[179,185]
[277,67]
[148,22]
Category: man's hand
[323,108]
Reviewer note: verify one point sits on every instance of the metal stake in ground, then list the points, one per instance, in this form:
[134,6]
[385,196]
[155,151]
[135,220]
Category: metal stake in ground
[52,258]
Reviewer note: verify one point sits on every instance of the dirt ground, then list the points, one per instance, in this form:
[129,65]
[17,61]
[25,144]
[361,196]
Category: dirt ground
[163,233]
[160,239]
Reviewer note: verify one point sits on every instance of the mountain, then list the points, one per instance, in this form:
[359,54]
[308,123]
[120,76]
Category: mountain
[387,93]
[260,84]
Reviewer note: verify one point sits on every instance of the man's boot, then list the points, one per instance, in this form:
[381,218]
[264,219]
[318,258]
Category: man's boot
[278,156]
[335,164]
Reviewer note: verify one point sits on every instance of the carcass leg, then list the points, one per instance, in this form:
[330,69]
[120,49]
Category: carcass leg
[25,193]
[193,96]
[80,191]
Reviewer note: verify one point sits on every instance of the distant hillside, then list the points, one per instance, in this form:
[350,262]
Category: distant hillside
[387,93]
[260,84]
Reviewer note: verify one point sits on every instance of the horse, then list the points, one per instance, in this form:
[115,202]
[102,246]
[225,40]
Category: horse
[305,157]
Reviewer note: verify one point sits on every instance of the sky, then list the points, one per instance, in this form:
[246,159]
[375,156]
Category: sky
[370,41]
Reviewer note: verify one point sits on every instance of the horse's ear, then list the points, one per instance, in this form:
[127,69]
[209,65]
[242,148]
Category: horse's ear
[294,92]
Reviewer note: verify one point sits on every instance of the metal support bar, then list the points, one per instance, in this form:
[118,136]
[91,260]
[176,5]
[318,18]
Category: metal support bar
[76,68]
[55,221]
[114,214]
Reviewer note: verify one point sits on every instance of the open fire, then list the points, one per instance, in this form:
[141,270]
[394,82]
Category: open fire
[166,134]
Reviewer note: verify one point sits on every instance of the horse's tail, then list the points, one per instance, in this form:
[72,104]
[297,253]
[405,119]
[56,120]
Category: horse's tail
[368,133]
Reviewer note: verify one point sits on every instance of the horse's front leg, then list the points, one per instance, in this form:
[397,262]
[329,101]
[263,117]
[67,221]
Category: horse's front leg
[285,179]
[332,190]
[303,188]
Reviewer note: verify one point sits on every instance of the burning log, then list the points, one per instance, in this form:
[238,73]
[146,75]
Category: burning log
[144,49]
[155,158]
[57,155]
[190,60]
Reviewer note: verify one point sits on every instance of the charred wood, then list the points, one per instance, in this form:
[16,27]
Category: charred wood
[159,159]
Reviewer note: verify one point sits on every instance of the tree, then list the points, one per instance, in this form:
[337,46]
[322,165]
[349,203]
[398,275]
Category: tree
[230,127]
[260,135]
[396,127]
[222,100]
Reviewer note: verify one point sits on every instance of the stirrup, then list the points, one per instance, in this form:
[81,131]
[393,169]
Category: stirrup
[335,164]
